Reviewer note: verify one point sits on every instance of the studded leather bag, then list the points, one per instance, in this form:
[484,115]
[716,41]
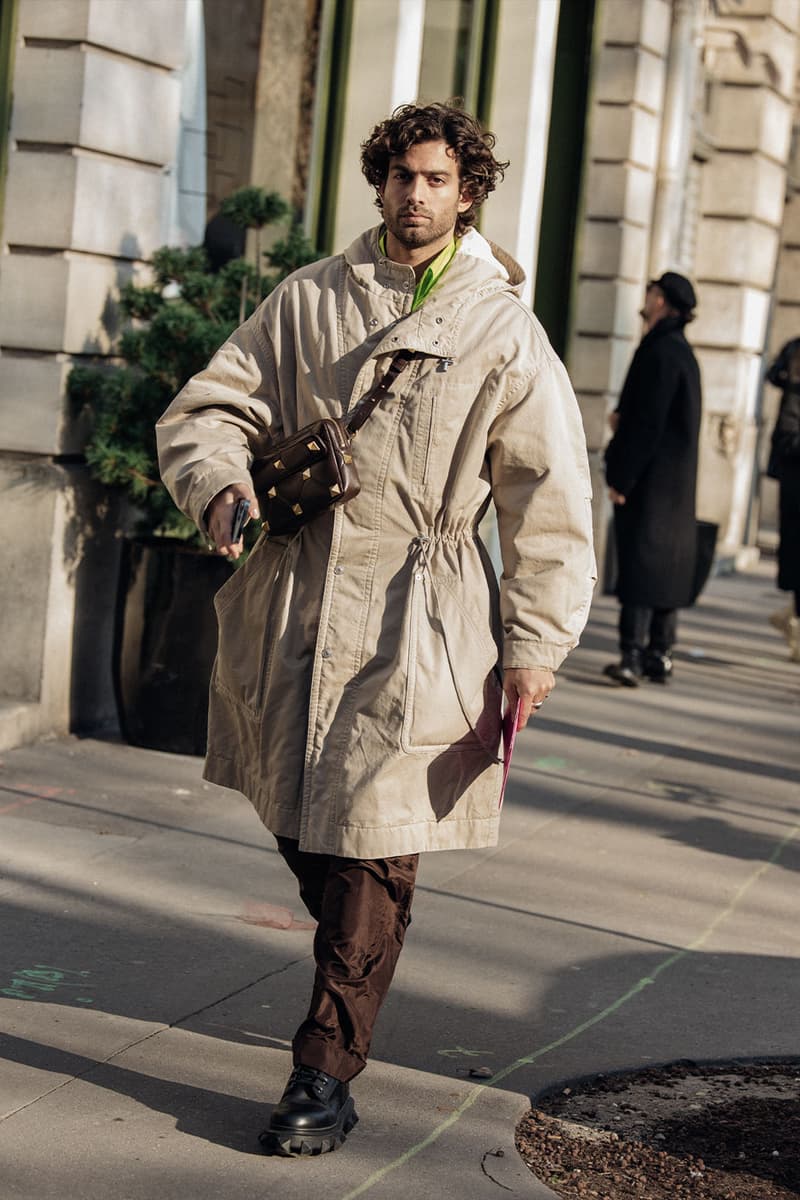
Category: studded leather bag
[314,469]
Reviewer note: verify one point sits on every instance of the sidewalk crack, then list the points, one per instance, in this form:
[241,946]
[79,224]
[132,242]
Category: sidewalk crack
[498,1153]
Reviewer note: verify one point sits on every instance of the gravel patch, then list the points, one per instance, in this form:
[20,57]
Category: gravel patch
[721,1132]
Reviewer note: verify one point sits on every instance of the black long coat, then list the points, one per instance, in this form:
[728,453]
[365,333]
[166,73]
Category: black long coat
[652,462]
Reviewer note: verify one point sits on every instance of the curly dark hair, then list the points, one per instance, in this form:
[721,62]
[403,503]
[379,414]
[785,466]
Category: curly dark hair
[410,124]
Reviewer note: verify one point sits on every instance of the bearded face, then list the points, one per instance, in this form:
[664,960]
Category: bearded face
[422,198]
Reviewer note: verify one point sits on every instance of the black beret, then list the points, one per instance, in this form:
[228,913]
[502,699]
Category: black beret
[677,290]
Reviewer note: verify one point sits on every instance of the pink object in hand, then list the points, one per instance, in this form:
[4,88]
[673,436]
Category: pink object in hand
[510,721]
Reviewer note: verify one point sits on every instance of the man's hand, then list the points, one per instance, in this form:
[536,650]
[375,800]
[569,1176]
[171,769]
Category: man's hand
[531,686]
[615,497]
[219,517]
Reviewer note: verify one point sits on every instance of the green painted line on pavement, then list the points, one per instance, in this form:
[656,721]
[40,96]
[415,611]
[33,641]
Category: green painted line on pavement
[526,1060]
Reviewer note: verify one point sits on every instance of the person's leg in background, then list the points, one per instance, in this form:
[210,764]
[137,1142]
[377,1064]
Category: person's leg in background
[634,632]
[793,636]
[781,618]
[363,907]
[663,634]
[787,621]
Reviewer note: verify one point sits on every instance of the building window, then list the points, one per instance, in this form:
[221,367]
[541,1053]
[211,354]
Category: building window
[457,51]
[445,49]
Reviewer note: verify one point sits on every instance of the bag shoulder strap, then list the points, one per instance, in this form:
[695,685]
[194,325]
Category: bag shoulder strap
[368,406]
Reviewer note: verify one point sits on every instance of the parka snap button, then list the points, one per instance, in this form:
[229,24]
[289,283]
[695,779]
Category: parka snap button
[338,570]
[436,341]
[418,575]
[439,320]
[373,322]
[326,653]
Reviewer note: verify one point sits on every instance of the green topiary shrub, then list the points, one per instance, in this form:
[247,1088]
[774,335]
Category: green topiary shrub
[177,322]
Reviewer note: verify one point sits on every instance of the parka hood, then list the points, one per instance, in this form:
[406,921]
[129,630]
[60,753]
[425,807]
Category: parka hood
[478,264]
[478,270]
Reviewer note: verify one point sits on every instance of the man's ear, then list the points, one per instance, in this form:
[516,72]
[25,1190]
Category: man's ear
[465,201]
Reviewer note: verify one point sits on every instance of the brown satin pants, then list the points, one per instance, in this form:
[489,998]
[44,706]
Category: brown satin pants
[363,907]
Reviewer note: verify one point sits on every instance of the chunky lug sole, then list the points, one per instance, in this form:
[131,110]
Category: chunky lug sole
[293,1143]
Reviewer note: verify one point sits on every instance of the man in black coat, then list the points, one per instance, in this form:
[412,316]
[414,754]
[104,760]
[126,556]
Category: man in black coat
[651,471]
[784,465]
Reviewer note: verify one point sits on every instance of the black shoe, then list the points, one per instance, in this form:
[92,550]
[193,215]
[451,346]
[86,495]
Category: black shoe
[657,667]
[315,1115]
[627,671]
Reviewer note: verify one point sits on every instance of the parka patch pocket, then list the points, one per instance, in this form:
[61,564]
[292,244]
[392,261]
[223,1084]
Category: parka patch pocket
[453,693]
[246,630]
[440,423]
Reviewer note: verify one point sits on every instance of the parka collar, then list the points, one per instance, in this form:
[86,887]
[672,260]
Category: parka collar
[479,269]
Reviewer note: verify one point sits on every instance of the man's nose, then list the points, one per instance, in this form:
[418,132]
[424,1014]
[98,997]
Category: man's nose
[416,189]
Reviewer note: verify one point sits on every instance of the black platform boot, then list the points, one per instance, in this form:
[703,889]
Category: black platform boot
[628,671]
[314,1116]
[657,667]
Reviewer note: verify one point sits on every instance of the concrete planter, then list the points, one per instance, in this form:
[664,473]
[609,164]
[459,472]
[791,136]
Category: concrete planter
[165,639]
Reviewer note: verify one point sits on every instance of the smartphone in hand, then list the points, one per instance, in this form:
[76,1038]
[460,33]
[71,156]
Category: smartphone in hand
[240,514]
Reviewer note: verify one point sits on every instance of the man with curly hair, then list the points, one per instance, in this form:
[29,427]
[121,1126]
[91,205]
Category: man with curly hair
[358,689]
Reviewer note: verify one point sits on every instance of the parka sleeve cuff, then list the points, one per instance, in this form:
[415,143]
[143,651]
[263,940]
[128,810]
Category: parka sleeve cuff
[206,487]
[532,655]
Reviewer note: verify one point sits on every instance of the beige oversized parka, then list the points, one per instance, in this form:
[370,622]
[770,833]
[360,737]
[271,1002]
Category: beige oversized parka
[356,696]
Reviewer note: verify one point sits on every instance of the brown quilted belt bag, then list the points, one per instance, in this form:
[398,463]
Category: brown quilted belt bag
[313,470]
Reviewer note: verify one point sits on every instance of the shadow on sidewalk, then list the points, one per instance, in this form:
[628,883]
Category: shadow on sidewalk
[709,758]
[217,1117]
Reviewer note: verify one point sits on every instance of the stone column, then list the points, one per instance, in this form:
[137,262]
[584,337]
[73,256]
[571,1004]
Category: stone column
[520,117]
[94,136]
[278,127]
[621,161]
[676,136]
[751,57]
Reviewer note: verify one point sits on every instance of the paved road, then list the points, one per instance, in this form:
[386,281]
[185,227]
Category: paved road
[641,907]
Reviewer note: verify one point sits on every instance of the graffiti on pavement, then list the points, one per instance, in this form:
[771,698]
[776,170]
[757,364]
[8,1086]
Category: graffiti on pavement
[39,981]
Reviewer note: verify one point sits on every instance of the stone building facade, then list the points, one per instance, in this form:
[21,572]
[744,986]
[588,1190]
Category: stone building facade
[91,158]
[688,152]
[643,134]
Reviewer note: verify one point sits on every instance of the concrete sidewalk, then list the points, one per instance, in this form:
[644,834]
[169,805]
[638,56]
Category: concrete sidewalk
[641,907]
